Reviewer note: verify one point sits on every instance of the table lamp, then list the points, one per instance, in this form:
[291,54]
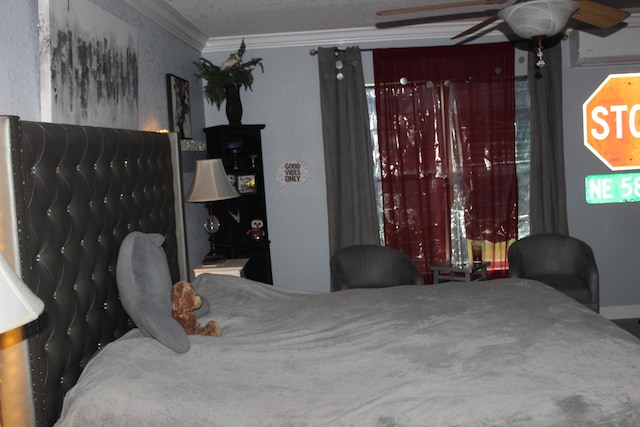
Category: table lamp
[18,305]
[211,184]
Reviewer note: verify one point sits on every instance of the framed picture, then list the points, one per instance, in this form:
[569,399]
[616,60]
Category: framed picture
[246,183]
[179,106]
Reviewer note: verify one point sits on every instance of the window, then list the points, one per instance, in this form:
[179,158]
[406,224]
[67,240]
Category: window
[523,153]
[523,144]
[373,126]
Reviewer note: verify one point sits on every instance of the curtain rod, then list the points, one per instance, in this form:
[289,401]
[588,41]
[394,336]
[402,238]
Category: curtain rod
[314,52]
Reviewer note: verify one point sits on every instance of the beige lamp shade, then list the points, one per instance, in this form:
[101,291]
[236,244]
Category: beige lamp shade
[538,18]
[18,305]
[210,183]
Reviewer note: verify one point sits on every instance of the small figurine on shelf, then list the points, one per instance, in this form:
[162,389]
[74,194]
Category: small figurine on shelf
[253,157]
[233,181]
[256,232]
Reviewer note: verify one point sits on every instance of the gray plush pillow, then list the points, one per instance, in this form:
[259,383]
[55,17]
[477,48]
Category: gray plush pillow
[145,285]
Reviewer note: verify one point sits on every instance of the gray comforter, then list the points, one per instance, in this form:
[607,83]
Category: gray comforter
[500,353]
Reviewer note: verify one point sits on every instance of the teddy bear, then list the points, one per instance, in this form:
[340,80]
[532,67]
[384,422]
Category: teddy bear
[184,300]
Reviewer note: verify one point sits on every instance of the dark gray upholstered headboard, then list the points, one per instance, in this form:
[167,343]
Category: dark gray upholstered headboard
[78,191]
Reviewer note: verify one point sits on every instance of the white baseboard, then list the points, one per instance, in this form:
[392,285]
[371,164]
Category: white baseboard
[621,312]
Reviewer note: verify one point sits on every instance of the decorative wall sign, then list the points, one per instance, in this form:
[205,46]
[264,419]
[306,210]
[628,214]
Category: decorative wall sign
[88,65]
[292,172]
[610,120]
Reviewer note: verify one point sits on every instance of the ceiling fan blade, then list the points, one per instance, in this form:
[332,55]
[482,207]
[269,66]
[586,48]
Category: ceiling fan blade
[477,27]
[438,7]
[599,15]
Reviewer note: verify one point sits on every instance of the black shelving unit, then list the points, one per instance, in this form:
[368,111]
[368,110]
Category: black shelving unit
[240,148]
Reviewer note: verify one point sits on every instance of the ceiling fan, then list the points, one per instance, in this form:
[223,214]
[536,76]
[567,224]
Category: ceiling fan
[532,19]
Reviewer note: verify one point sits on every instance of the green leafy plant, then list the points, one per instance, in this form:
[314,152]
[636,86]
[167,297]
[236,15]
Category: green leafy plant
[233,73]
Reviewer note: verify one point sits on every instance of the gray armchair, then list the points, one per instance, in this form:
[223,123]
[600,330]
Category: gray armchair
[372,266]
[562,262]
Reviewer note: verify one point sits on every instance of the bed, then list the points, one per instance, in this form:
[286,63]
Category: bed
[70,195]
[508,352]
[505,352]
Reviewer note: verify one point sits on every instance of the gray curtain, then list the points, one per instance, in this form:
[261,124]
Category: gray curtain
[548,205]
[348,159]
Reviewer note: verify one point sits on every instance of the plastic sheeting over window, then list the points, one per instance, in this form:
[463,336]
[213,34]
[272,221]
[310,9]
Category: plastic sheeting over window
[447,150]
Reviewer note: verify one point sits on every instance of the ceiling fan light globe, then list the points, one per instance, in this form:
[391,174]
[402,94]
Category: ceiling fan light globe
[538,17]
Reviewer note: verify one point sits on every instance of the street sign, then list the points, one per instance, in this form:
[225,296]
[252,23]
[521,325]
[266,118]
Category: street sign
[611,121]
[612,188]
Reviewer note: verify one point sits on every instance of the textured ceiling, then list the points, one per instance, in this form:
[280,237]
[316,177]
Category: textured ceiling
[225,18]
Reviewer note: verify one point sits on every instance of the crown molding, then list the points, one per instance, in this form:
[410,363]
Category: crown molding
[166,17]
[343,37]
[350,36]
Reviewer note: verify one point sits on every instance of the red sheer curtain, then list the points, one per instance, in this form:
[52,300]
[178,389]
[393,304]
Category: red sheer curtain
[425,99]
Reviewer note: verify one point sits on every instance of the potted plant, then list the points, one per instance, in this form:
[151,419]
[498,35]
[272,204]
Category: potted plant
[224,82]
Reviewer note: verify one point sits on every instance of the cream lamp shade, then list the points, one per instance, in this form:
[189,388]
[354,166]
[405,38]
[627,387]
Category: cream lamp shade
[18,305]
[210,183]
[538,18]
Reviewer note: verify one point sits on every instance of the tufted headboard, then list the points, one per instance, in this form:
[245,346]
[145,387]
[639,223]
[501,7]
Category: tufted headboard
[72,194]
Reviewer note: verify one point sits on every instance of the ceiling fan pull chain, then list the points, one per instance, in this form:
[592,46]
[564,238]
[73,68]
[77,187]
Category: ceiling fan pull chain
[540,63]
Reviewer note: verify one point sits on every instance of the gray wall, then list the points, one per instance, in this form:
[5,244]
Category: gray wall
[612,230]
[19,81]
[159,53]
[285,99]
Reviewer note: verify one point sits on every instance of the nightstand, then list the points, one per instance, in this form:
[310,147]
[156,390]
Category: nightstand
[231,267]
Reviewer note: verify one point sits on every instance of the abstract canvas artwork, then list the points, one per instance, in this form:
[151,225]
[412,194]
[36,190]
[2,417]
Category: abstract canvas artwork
[89,65]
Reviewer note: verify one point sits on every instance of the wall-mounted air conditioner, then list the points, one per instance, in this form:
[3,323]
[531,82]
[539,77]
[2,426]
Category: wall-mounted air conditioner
[605,47]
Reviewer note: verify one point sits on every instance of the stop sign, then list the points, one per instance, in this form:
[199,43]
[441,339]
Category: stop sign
[611,119]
